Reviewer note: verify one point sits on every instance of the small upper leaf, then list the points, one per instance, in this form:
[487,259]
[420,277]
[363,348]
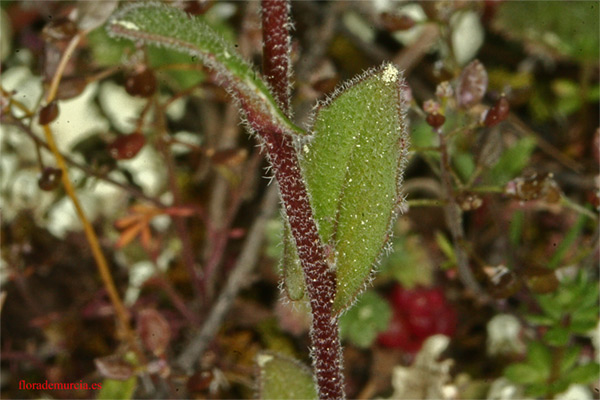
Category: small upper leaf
[472,84]
[353,169]
[282,377]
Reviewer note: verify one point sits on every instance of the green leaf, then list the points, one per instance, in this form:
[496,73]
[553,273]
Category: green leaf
[464,163]
[557,336]
[282,377]
[539,357]
[566,297]
[550,306]
[168,27]
[422,135]
[524,373]
[589,296]
[584,374]
[569,99]
[556,28]
[114,389]
[107,51]
[293,277]
[353,169]
[273,338]
[569,358]
[582,326]
[365,320]
[183,79]
[409,262]
[542,320]
[567,242]
[512,161]
[558,386]
[446,247]
[273,233]
[536,390]
[516,227]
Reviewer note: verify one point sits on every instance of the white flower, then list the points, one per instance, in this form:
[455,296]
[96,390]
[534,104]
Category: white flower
[503,335]
[575,392]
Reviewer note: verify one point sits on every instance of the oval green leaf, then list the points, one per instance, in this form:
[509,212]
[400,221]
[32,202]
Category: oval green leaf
[353,166]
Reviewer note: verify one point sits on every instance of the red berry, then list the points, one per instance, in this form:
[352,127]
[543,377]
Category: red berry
[445,322]
[71,87]
[435,120]
[419,303]
[49,179]
[48,113]
[420,313]
[198,7]
[421,326]
[127,146]
[141,82]
[400,298]
[497,113]
[398,336]
[393,22]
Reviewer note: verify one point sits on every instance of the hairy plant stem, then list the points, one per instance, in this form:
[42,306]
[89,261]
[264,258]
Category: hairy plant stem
[276,49]
[320,280]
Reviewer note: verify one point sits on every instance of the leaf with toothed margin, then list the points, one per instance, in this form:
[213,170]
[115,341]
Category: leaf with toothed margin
[164,26]
[353,167]
[282,377]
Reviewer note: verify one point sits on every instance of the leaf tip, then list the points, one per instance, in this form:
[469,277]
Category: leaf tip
[390,73]
[263,358]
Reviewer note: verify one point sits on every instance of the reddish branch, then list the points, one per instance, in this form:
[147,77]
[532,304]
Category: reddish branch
[320,281]
[276,49]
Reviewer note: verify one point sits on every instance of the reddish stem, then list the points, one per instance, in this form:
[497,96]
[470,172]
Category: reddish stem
[276,49]
[320,280]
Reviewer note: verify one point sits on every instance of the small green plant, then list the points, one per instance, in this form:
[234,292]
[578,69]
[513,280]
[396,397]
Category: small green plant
[340,183]
[551,365]
[499,226]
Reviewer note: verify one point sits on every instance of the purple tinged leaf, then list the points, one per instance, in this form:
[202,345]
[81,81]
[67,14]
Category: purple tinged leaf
[92,14]
[472,85]
[114,367]
[154,331]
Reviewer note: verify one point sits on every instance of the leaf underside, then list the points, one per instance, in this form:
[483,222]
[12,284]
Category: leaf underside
[281,377]
[164,26]
[353,168]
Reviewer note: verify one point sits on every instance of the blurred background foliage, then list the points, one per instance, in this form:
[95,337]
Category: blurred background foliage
[173,185]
